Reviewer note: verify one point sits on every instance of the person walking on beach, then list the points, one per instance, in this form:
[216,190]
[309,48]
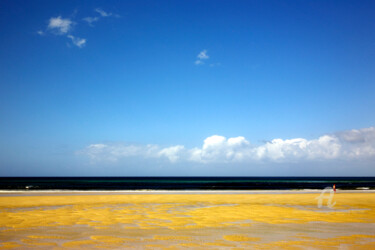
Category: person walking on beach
[334,188]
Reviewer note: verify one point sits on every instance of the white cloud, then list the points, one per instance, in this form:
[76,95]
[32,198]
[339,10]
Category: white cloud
[60,25]
[325,147]
[201,57]
[346,145]
[114,152]
[90,20]
[220,149]
[103,13]
[79,42]
[108,152]
[358,136]
[197,62]
[172,153]
[63,26]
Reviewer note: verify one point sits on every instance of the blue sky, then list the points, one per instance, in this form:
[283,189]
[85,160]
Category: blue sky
[187,88]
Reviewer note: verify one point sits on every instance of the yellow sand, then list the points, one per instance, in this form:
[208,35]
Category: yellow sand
[185,221]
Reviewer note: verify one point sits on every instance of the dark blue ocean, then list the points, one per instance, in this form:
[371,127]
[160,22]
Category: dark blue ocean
[184,183]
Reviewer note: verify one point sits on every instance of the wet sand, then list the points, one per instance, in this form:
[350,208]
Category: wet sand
[177,220]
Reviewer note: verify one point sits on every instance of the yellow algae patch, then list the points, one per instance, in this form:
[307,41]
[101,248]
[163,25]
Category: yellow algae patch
[67,216]
[189,245]
[31,201]
[9,244]
[357,236]
[110,239]
[154,246]
[216,216]
[240,238]
[101,241]
[191,221]
[352,199]
[176,212]
[342,199]
[171,237]
[46,237]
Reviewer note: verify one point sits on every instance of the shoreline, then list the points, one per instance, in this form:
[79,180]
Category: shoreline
[4,193]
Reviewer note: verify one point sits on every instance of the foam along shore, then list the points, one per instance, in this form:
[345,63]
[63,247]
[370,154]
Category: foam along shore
[131,192]
[266,219]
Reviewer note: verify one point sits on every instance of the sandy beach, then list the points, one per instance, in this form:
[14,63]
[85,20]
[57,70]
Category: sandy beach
[178,220]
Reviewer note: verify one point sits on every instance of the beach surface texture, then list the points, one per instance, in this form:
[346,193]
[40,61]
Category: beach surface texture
[186,220]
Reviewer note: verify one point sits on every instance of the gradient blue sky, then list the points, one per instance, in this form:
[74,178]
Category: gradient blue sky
[90,98]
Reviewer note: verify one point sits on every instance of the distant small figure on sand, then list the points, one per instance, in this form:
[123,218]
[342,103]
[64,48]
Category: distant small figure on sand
[334,188]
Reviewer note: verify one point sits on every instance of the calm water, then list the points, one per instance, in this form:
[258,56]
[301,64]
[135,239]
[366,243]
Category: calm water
[183,183]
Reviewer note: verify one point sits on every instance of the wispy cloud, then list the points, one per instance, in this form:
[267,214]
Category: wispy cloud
[60,25]
[103,13]
[114,152]
[90,20]
[346,145]
[198,62]
[201,57]
[79,42]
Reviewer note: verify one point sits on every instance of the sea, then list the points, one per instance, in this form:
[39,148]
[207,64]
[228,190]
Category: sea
[182,183]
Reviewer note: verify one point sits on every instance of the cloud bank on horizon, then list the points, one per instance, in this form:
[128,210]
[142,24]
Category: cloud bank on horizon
[356,144]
